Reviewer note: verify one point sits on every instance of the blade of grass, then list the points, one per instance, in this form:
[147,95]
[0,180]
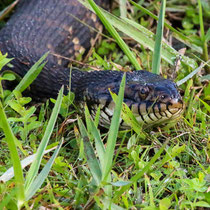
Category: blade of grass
[114,34]
[141,173]
[108,204]
[10,138]
[8,9]
[202,34]
[189,76]
[144,37]
[99,147]
[96,134]
[92,161]
[6,176]
[123,10]
[7,199]
[129,118]
[40,152]
[30,76]
[207,106]
[176,33]
[42,175]
[113,131]
[158,40]
[97,116]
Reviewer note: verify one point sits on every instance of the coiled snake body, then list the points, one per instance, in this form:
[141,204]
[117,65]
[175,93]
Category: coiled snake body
[39,26]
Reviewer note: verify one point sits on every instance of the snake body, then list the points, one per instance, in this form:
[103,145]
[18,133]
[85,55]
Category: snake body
[38,26]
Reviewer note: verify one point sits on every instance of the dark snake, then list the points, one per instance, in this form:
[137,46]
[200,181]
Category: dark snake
[38,26]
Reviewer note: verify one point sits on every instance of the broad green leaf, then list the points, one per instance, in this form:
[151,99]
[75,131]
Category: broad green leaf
[165,203]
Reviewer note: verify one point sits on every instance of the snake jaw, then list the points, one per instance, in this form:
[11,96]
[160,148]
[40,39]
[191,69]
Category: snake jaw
[152,113]
[146,112]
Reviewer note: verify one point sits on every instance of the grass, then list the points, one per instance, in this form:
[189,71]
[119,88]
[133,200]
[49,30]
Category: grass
[159,168]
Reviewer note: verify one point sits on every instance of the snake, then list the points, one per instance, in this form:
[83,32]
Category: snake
[67,28]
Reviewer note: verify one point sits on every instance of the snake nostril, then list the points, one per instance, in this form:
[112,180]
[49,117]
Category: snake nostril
[180,101]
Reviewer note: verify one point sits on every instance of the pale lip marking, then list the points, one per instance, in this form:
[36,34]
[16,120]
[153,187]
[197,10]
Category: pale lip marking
[144,115]
[158,113]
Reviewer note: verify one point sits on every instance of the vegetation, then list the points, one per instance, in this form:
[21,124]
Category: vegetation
[154,168]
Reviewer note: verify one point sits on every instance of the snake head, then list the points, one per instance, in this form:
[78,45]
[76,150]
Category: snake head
[152,98]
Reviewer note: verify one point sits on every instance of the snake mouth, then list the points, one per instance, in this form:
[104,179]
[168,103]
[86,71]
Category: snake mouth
[157,112]
[147,113]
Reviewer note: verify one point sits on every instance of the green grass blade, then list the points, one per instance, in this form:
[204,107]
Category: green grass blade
[30,76]
[130,119]
[40,152]
[7,10]
[207,106]
[177,34]
[98,142]
[202,34]
[145,37]
[5,201]
[42,175]
[158,40]
[123,9]
[9,174]
[108,204]
[97,116]
[96,134]
[189,76]
[10,138]
[113,131]
[114,34]
[92,161]
[141,173]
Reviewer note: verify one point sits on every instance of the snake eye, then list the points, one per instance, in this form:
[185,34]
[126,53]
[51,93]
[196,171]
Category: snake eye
[143,93]
[164,96]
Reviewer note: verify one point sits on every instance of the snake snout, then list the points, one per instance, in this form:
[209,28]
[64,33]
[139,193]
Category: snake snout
[175,107]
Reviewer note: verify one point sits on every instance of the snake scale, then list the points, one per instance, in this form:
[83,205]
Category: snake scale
[38,26]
